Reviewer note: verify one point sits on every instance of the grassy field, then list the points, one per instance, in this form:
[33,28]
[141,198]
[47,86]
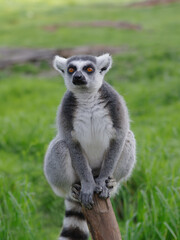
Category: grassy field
[147,75]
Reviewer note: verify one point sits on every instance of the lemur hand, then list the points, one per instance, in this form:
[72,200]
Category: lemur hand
[86,194]
[101,188]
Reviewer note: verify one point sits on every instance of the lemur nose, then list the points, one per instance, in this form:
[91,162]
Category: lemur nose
[79,79]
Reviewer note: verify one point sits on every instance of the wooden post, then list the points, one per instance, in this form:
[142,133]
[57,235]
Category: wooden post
[102,221]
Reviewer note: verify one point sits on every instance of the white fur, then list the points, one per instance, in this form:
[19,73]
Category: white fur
[59,64]
[93,129]
[74,222]
[72,205]
[104,60]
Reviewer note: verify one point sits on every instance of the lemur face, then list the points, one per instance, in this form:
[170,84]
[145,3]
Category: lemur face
[83,73]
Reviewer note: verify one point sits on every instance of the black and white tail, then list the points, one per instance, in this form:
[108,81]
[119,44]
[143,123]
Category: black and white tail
[74,224]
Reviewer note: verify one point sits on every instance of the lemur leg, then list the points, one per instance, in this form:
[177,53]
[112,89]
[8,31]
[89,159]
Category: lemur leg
[58,167]
[123,169]
[127,160]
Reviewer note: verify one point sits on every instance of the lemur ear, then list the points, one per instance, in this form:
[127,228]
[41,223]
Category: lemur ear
[59,63]
[104,63]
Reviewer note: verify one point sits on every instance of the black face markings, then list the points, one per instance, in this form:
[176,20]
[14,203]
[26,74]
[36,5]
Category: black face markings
[71,69]
[74,233]
[79,78]
[71,66]
[89,68]
[83,58]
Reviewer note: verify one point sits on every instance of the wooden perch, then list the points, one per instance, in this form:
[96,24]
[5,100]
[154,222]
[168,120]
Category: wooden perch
[102,221]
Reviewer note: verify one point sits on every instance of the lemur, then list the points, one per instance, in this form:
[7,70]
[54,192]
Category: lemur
[94,149]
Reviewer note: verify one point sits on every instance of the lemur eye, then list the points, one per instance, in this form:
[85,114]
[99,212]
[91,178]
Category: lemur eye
[71,70]
[89,69]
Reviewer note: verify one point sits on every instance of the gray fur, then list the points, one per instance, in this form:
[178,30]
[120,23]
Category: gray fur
[94,140]
[82,58]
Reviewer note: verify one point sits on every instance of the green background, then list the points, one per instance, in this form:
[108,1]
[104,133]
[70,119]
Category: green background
[146,74]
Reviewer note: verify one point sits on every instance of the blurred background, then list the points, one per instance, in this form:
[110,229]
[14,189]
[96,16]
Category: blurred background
[144,40]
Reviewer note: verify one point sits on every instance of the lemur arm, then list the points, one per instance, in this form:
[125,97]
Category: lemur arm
[112,155]
[83,170]
[119,115]
[79,162]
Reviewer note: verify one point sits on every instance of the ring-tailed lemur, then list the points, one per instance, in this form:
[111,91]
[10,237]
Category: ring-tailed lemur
[94,145]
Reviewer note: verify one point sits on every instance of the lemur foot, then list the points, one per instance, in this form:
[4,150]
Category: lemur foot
[108,187]
[75,191]
[105,193]
[110,183]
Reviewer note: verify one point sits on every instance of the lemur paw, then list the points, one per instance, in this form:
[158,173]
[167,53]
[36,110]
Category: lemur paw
[101,188]
[104,193]
[85,197]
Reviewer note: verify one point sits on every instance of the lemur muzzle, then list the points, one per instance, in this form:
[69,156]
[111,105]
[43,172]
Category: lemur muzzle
[79,79]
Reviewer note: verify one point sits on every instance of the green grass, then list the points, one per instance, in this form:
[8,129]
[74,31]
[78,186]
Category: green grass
[147,75]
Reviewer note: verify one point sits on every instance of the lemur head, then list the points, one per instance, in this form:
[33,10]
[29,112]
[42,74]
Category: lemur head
[83,72]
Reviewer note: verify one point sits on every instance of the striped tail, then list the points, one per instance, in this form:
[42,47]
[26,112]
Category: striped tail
[74,224]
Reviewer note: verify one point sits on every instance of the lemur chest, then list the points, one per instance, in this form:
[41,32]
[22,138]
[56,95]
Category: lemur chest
[93,129]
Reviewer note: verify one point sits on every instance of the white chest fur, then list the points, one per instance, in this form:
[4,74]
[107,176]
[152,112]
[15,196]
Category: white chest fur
[93,129]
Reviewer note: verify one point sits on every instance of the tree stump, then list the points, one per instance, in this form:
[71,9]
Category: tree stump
[101,220]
